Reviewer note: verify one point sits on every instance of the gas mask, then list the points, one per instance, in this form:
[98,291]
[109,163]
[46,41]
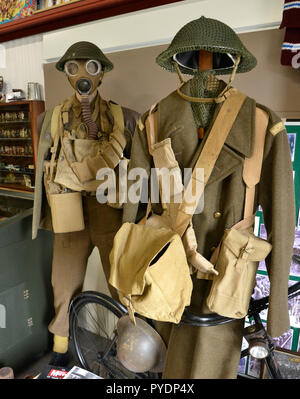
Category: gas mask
[84,75]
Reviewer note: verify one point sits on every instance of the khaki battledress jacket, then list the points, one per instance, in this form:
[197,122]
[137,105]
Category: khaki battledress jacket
[103,116]
[213,352]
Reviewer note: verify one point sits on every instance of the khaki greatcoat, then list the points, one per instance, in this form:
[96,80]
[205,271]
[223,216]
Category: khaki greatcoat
[214,352]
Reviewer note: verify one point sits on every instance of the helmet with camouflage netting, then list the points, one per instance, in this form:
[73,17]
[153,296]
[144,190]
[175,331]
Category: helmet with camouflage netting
[210,35]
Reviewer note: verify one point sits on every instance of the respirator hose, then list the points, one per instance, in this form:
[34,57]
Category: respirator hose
[87,117]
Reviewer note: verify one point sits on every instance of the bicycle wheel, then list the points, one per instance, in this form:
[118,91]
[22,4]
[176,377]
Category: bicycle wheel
[93,331]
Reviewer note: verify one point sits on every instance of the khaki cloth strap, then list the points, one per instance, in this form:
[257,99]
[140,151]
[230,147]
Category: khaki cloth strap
[117,112]
[151,129]
[253,165]
[208,157]
[54,122]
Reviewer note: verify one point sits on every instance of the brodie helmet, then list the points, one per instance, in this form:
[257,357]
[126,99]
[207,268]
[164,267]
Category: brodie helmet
[84,51]
[210,35]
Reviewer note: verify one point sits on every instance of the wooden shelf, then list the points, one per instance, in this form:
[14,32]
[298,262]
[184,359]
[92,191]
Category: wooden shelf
[16,171]
[33,109]
[73,13]
[16,187]
[15,138]
[16,155]
[14,122]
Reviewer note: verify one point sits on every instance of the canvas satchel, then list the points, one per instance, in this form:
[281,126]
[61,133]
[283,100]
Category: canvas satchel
[239,252]
[149,265]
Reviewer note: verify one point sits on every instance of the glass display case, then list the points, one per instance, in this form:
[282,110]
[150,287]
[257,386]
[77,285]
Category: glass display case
[18,144]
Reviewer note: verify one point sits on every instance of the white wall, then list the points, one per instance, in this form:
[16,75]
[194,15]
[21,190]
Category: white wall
[158,25]
[24,57]
[21,62]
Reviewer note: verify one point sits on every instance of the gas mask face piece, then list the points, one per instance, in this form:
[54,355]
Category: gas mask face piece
[84,75]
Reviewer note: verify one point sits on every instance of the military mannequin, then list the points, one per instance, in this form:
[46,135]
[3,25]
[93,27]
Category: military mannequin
[100,131]
[186,117]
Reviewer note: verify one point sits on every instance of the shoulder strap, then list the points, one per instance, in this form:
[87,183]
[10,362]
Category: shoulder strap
[117,112]
[55,126]
[208,157]
[55,120]
[252,167]
[151,128]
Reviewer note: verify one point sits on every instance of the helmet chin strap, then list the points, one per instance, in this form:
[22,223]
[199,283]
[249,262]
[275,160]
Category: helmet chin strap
[221,97]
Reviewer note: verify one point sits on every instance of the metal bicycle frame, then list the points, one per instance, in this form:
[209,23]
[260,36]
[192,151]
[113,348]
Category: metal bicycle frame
[256,306]
[213,319]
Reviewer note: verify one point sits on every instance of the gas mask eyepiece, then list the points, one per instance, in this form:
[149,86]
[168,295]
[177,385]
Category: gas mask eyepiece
[93,67]
[84,76]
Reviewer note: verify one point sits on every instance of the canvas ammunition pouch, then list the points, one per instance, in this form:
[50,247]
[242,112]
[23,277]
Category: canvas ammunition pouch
[237,261]
[149,264]
[74,165]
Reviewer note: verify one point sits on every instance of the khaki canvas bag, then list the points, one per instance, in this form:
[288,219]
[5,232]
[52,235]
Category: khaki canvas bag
[239,252]
[150,271]
[149,265]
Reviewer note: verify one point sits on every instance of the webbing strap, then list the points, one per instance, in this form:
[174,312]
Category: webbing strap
[151,128]
[208,158]
[117,112]
[253,164]
[55,121]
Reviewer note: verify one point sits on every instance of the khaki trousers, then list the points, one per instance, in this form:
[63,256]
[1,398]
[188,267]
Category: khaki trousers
[202,352]
[70,257]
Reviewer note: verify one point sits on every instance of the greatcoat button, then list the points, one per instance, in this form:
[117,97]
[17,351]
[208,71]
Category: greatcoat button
[217,215]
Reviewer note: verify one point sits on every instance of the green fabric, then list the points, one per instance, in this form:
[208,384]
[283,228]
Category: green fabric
[203,111]
[210,35]
[84,51]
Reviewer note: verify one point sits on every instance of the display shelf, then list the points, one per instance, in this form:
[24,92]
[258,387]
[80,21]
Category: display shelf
[14,122]
[10,192]
[20,152]
[17,172]
[18,187]
[73,13]
[15,139]
[16,155]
